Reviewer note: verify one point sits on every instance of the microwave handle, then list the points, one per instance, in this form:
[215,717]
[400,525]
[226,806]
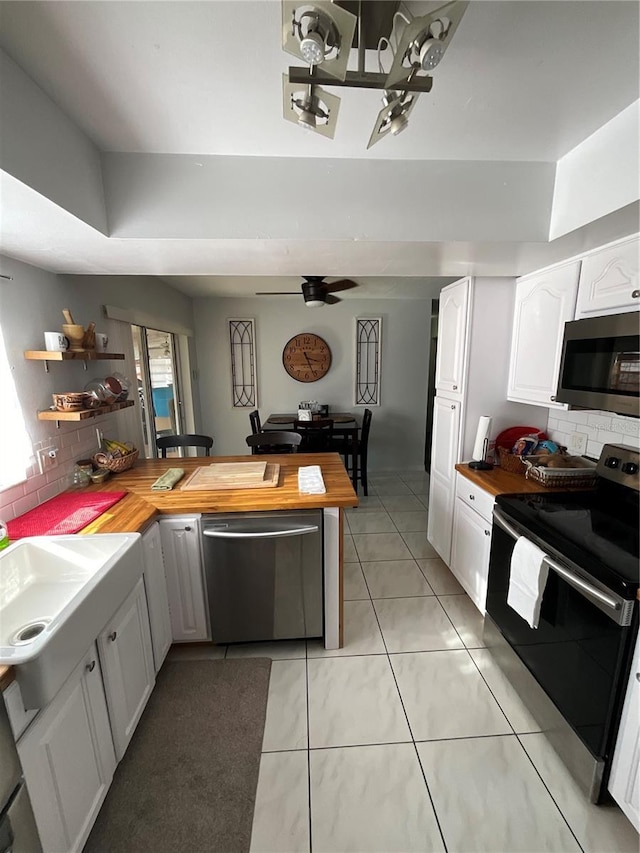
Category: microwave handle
[572,579]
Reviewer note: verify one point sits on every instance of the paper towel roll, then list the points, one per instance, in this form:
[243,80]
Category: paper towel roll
[482,434]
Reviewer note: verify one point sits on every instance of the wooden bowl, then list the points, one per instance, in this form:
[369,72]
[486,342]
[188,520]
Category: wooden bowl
[75,333]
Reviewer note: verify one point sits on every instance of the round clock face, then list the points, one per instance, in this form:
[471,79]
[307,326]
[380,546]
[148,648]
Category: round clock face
[306,357]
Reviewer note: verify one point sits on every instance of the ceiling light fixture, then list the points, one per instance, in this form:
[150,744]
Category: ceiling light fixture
[322,34]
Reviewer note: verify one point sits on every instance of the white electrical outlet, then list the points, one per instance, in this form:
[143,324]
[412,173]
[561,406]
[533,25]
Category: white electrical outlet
[47,458]
[578,442]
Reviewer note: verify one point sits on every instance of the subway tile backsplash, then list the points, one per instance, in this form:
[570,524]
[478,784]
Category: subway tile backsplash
[600,428]
[73,443]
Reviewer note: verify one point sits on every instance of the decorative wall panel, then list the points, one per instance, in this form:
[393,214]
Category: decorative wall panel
[368,355]
[244,381]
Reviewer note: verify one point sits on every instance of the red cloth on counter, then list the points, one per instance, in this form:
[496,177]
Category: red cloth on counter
[66,513]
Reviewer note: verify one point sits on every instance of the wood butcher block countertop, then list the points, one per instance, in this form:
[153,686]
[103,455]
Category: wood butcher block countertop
[501,482]
[137,509]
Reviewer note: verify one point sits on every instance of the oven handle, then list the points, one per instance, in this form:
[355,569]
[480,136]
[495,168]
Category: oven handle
[569,577]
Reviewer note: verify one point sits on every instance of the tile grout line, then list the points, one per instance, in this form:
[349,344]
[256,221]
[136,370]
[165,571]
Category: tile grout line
[406,716]
[562,814]
[306,676]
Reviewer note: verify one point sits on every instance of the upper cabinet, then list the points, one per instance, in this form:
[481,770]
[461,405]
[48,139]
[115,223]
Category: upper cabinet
[609,280]
[544,302]
[452,339]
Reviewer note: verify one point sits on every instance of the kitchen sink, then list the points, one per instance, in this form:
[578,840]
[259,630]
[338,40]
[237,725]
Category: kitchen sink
[56,595]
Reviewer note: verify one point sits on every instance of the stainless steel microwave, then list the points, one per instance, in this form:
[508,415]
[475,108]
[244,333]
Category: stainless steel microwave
[600,367]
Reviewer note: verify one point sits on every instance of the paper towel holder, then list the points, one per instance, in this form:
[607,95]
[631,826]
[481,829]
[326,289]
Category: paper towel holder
[481,446]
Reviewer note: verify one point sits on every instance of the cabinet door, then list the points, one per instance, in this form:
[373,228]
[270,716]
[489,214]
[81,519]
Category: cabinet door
[155,584]
[470,552]
[127,665]
[544,303]
[68,759]
[624,783]
[452,339]
[444,455]
[183,568]
[609,281]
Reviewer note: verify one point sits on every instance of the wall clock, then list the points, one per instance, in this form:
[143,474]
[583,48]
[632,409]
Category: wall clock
[306,357]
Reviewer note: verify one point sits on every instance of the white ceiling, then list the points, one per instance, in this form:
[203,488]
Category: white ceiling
[521,81]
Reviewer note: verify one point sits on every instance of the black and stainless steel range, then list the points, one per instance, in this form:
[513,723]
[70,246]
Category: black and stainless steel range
[572,670]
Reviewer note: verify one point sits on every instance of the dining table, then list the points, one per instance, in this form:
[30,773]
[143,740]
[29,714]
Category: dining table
[345,424]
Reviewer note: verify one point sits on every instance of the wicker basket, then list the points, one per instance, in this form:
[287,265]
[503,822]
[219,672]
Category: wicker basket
[569,478]
[510,461]
[117,465]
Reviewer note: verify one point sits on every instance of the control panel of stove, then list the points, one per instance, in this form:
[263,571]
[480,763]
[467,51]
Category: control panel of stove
[621,465]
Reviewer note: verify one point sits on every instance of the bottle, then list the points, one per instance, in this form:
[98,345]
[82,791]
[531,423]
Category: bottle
[4,535]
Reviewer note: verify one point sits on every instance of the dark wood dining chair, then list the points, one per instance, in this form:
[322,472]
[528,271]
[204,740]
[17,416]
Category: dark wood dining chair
[254,420]
[317,435]
[360,448]
[185,440]
[274,441]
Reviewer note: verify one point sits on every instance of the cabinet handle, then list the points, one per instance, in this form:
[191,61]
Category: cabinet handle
[113,636]
[91,666]
[471,498]
[187,528]
[553,398]
[487,533]
[453,407]
[637,676]
[455,387]
[635,294]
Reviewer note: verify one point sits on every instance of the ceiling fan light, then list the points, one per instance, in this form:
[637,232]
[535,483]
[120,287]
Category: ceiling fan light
[314,303]
[312,48]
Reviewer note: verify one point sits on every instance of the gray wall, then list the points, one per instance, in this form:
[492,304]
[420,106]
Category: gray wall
[398,426]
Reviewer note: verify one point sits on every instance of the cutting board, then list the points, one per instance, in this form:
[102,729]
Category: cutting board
[264,475]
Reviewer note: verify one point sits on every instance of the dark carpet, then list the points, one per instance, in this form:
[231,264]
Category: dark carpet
[188,779]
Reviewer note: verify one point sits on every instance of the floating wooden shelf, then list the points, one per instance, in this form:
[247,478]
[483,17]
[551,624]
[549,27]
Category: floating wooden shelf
[84,414]
[84,356]
[69,355]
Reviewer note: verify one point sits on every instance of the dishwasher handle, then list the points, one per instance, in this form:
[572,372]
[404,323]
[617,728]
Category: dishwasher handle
[224,531]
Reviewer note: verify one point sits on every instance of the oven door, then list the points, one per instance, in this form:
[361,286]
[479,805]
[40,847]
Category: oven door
[579,652]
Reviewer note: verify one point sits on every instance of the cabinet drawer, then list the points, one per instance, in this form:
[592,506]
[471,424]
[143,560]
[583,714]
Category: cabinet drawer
[476,497]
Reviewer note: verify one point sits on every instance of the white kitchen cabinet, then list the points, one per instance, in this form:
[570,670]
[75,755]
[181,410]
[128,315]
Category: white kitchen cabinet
[446,441]
[624,783]
[185,583]
[155,584]
[452,339]
[609,280]
[472,540]
[544,302]
[68,759]
[127,666]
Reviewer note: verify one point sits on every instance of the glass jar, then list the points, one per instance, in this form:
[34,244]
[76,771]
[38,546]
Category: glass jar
[79,478]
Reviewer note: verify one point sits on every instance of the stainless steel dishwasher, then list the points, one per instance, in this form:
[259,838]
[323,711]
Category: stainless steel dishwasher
[264,575]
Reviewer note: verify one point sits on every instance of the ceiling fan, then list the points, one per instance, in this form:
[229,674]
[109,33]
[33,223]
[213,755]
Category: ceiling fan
[316,291]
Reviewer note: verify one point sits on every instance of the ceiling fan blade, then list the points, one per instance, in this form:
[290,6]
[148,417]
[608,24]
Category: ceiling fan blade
[337,286]
[277,293]
[331,300]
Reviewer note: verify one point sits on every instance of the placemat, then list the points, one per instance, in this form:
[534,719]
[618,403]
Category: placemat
[66,513]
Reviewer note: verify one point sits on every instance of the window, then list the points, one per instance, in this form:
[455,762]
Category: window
[15,443]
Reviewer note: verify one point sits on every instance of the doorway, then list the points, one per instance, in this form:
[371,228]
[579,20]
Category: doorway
[431,382]
[158,379]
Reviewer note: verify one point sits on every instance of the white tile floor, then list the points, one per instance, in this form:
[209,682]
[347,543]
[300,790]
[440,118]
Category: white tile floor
[409,738]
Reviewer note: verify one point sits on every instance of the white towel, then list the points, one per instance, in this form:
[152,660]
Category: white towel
[527,580]
[310,480]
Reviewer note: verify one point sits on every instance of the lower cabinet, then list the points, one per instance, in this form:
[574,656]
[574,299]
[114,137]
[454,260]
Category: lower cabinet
[68,759]
[624,783]
[185,581]
[471,544]
[155,584]
[127,665]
